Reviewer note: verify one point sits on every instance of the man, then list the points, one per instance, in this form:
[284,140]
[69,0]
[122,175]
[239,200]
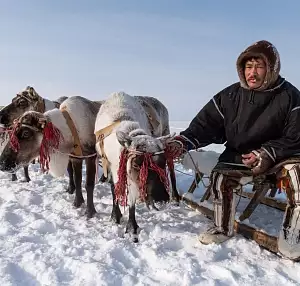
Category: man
[259,119]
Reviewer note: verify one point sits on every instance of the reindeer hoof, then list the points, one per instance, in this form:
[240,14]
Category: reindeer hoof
[176,200]
[135,238]
[70,190]
[102,179]
[78,202]
[90,213]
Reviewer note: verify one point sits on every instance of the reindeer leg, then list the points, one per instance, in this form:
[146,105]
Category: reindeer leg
[89,186]
[14,177]
[26,174]
[132,225]
[116,213]
[77,169]
[71,186]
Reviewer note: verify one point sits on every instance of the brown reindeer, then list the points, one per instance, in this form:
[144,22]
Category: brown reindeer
[27,99]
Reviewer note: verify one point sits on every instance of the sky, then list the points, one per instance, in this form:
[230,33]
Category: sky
[181,52]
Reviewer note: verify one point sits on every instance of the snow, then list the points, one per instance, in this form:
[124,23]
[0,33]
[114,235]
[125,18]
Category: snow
[44,240]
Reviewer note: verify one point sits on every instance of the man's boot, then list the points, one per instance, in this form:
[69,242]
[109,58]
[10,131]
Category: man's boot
[224,210]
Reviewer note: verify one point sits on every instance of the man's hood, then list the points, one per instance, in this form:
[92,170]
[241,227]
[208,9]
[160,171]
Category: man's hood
[269,54]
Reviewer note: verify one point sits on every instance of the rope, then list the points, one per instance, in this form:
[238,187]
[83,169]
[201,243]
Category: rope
[197,170]
[78,157]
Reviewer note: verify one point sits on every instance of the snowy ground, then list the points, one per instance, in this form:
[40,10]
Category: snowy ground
[45,241]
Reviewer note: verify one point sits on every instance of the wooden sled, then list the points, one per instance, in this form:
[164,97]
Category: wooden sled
[261,185]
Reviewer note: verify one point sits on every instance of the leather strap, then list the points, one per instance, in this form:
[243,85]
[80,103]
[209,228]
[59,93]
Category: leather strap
[100,135]
[77,146]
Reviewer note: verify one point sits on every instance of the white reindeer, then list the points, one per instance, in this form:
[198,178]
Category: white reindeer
[131,132]
[49,135]
[27,99]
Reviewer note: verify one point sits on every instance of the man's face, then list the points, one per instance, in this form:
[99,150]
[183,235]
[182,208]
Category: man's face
[255,72]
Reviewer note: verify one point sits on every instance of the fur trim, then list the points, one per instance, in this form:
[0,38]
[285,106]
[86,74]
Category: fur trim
[136,132]
[34,119]
[269,54]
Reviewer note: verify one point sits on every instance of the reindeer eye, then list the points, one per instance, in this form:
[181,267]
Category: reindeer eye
[25,134]
[135,166]
[23,103]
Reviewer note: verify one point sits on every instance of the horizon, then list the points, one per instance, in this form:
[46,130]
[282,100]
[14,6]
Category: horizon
[179,52]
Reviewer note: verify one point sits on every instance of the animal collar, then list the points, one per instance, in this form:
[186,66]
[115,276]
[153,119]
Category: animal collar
[77,146]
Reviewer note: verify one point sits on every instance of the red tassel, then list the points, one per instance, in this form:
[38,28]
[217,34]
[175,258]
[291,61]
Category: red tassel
[14,142]
[121,185]
[51,139]
[143,176]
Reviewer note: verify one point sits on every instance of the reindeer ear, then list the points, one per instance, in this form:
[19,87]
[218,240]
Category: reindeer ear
[42,122]
[124,139]
[32,93]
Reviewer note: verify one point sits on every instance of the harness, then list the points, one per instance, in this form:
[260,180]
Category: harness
[77,150]
[39,105]
[100,136]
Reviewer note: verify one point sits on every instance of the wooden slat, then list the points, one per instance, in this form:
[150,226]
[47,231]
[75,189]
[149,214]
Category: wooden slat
[267,201]
[261,238]
[260,192]
[195,182]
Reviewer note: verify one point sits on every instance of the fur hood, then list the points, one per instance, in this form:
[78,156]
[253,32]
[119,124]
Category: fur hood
[269,54]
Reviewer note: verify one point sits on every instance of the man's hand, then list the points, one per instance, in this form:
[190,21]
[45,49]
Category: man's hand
[258,160]
[250,159]
[176,147]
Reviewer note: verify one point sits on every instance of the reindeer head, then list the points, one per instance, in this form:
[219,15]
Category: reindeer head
[143,163]
[32,135]
[26,100]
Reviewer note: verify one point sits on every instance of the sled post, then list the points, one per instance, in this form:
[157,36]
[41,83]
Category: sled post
[198,178]
[206,195]
[261,191]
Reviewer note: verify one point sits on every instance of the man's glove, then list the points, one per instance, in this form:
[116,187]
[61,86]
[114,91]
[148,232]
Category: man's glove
[177,146]
[258,160]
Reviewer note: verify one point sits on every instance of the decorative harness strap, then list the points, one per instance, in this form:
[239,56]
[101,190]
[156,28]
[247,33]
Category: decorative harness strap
[100,136]
[77,146]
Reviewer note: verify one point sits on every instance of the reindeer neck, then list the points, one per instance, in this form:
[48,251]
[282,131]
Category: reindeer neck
[49,105]
[58,120]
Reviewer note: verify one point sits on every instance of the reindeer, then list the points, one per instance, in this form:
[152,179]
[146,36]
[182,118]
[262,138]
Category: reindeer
[131,133]
[26,100]
[57,136]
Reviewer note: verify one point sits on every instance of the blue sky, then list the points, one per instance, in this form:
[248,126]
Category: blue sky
[182,52]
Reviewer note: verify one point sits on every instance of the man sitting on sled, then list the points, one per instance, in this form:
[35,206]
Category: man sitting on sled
[259,119]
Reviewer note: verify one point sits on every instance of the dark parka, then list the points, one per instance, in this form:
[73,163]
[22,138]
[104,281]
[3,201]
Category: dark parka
[247,120]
